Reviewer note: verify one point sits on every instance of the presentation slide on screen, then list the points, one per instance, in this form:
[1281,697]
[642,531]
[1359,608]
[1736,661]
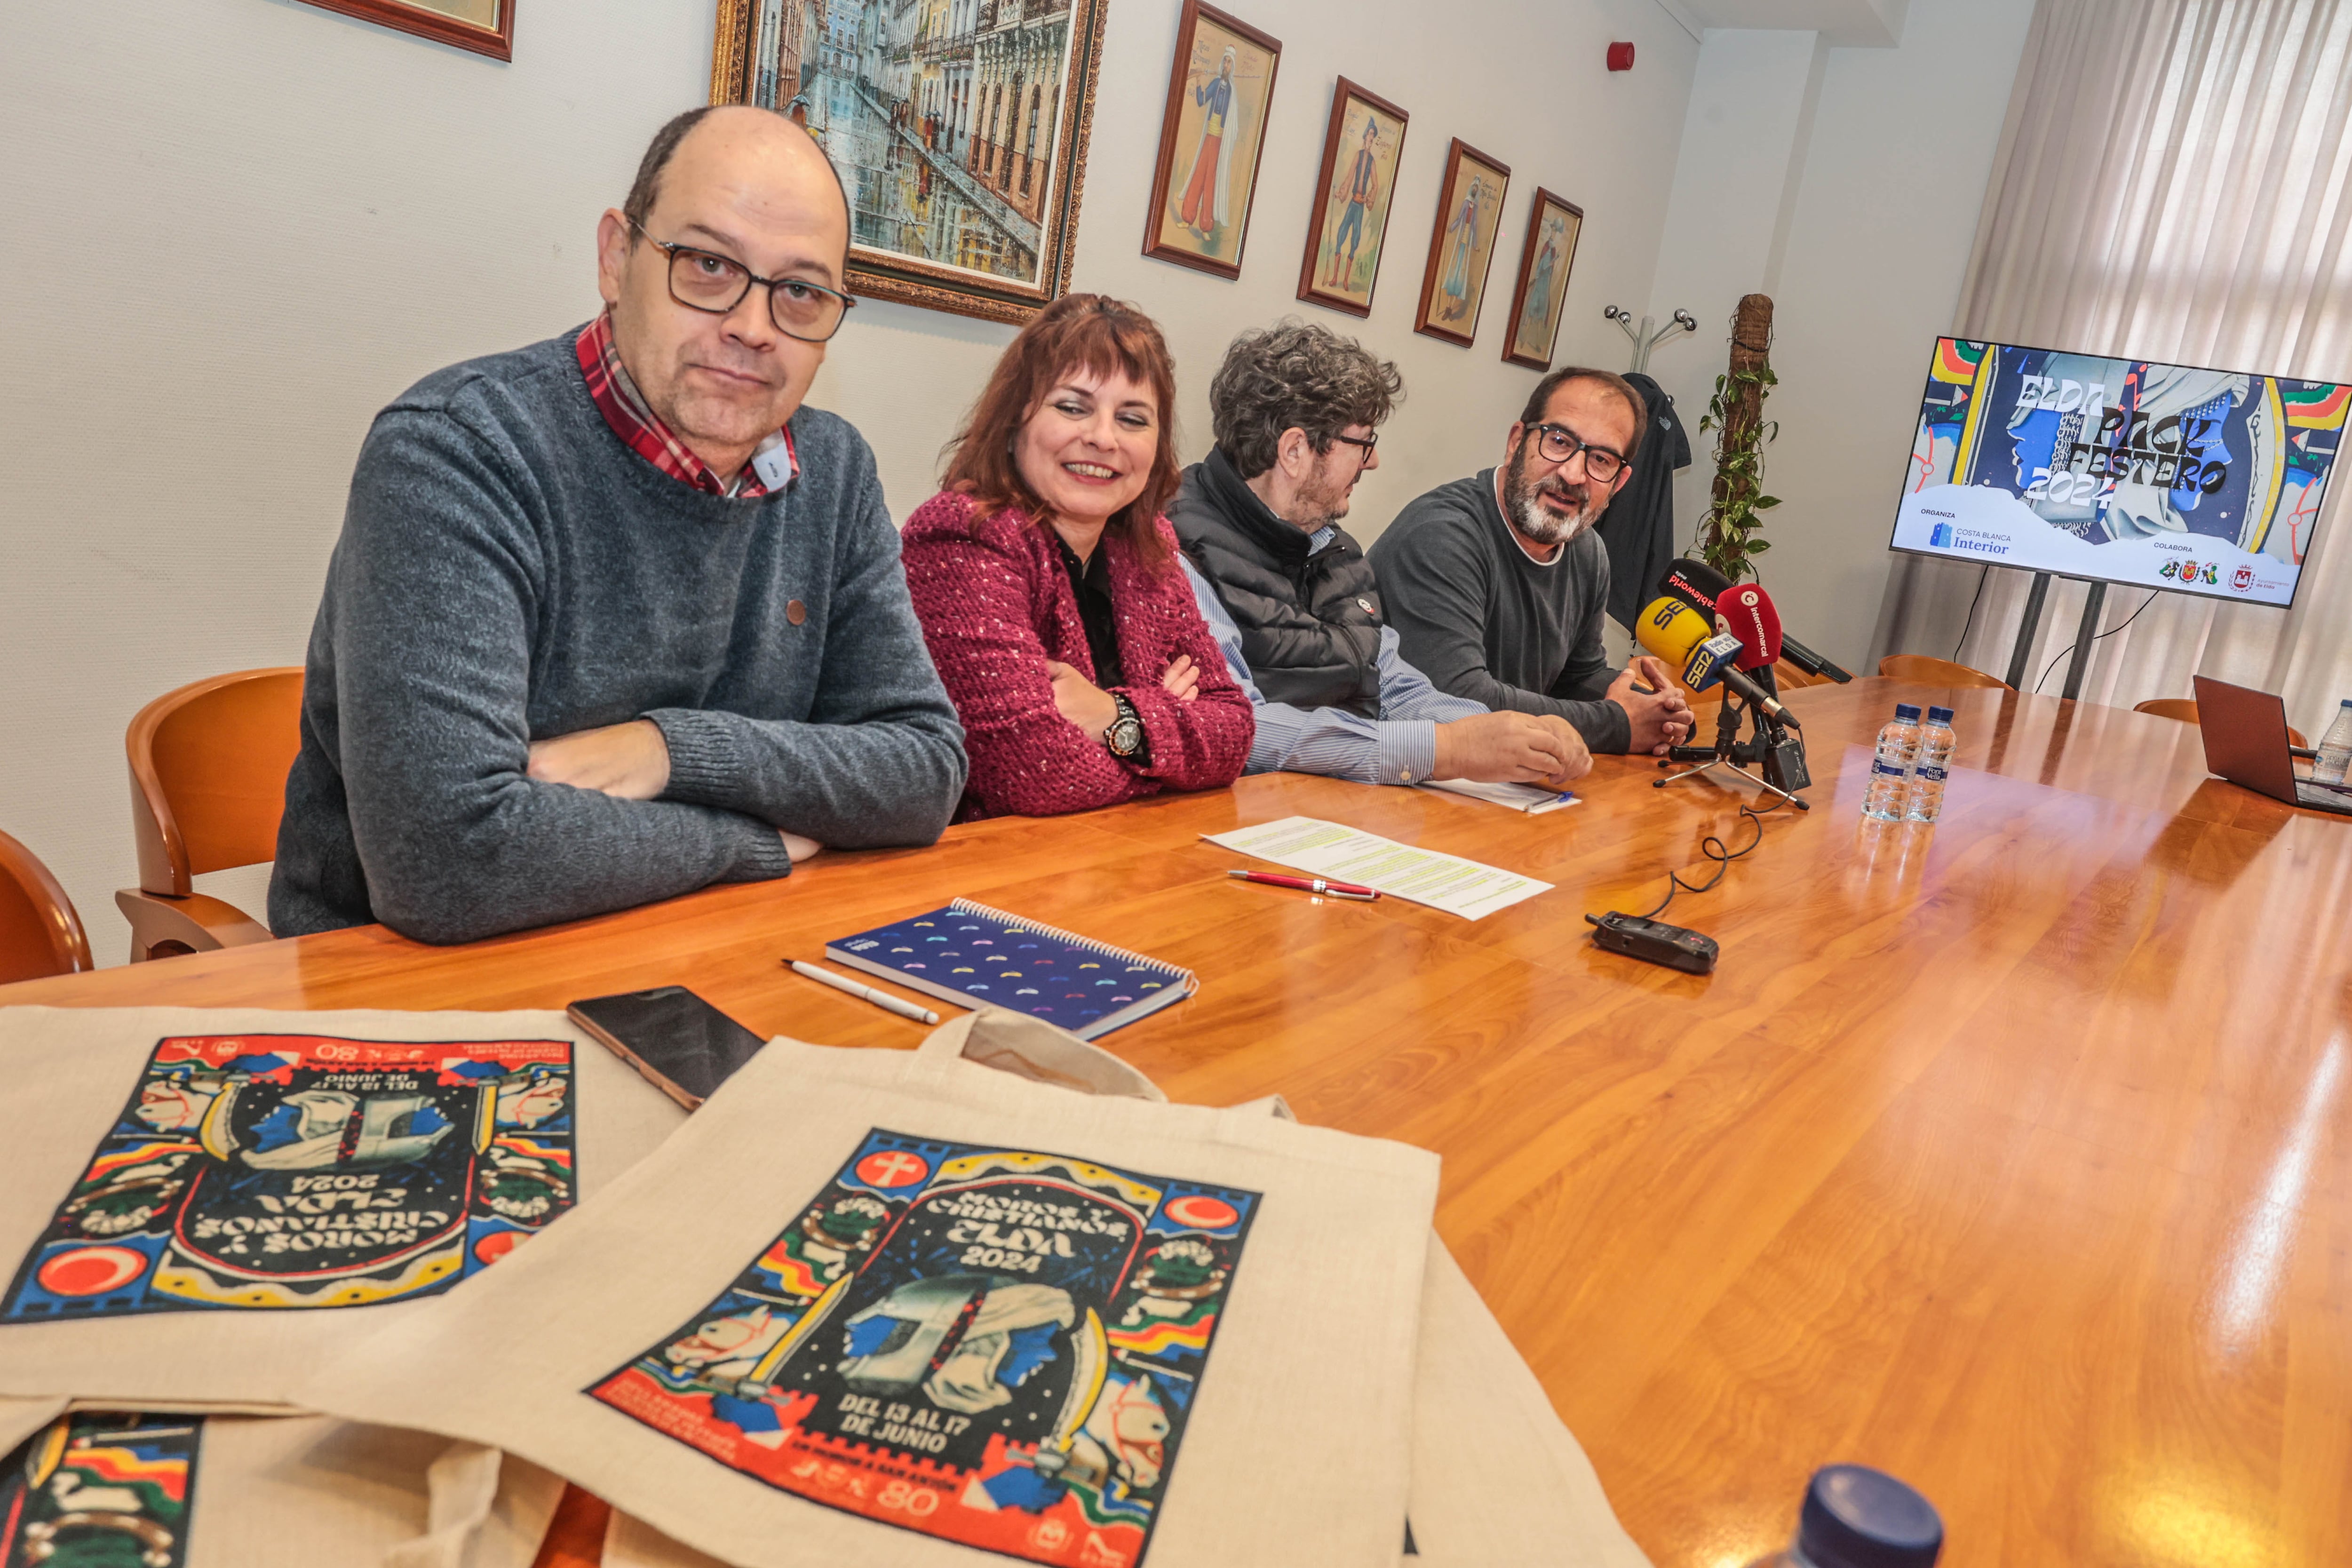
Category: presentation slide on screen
[2164,476]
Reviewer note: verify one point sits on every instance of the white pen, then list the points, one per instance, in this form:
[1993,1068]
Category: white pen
[881,999]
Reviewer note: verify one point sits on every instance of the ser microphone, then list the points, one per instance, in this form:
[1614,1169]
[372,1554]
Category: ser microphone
[1717,660]
[1669,628]
[1746,612]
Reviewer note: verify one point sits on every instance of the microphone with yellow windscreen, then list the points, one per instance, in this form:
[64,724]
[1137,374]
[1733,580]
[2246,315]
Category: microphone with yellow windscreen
[1686,639]
[1670,629]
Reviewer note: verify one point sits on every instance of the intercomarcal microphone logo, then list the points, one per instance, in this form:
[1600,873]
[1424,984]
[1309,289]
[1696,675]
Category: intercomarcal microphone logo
[1940,538]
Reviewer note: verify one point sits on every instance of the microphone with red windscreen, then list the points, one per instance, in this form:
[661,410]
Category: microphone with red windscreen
[1746,610]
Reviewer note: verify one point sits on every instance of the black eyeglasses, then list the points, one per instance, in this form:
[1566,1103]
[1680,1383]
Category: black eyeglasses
[703,280]
[1558,444]
[1364,443]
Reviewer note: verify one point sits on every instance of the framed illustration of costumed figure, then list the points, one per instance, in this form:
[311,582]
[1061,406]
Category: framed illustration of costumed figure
[1219,91]
[959,129]
[1462,246]
[1350,216]
[1550,250]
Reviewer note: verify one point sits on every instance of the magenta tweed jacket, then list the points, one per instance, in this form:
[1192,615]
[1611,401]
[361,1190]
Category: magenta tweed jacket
[996,604]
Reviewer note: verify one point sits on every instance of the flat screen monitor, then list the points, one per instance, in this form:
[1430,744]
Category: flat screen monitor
[2120,470]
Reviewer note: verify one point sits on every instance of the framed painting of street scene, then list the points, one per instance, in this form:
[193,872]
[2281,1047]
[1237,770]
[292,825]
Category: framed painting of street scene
[1544,263]
[1350,216]
[1219,91]
[958,128]
[1462,244]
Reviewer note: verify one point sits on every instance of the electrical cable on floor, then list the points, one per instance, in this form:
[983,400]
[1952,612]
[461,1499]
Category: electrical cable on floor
[1713,848]
[1972,612]
[2111,631]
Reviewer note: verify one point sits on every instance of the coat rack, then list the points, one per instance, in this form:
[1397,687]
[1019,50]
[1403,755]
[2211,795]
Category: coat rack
[1645,339]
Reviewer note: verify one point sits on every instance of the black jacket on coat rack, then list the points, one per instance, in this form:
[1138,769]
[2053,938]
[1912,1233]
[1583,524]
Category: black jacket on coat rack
[1638,528]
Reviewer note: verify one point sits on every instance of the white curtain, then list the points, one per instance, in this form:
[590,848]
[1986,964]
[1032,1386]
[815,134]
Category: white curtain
[2171,184]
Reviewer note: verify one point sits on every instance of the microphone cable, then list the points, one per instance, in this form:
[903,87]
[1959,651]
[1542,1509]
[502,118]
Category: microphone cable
[1713,848]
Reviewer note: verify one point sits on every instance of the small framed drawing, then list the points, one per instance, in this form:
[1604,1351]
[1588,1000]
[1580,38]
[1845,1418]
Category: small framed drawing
[485,26]
[1462,244]
[958,128]
[1218,94]
[1552,228]
[1360,150]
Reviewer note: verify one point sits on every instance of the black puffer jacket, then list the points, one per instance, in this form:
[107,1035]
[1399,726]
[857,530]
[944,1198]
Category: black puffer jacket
[1311,625]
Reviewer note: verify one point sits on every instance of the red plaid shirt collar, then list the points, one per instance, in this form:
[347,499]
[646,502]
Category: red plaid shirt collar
[635,422]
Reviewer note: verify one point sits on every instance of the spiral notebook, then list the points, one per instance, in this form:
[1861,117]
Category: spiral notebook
[974,956]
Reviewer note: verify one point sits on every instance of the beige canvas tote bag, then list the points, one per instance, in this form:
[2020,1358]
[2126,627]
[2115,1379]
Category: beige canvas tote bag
[238,1491]
[888,1308]
[1498,1479]
[198,1205]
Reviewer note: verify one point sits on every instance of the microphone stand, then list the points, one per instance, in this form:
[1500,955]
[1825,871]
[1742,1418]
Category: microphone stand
[1776,752]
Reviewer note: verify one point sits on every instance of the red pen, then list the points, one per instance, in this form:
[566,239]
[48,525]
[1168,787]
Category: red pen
[1310,885]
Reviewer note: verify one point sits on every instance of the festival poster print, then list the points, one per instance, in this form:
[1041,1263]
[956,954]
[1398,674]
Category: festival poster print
[997,1347]
[297,1171]
[100,1489]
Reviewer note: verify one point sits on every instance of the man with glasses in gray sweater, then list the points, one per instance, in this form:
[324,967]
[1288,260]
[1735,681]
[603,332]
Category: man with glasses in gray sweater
[1497,584]
[616,616]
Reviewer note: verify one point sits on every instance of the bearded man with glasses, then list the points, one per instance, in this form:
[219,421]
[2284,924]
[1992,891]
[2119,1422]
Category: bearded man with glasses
[617,616]
[1497,584]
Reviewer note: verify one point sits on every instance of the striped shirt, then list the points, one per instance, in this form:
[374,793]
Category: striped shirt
[1399,747]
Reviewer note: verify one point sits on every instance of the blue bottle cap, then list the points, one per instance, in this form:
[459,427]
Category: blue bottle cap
[1855,1517]
[1908,712]
[1939,715]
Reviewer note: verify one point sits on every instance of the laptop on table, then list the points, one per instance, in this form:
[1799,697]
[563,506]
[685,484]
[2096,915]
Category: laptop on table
[2246,743]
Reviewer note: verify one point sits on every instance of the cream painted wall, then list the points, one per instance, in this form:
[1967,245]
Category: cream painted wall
[1886,184]
[236,227]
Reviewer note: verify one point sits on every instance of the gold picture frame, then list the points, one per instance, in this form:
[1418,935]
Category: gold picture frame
[1462,244]
[1546,259]
[962,149]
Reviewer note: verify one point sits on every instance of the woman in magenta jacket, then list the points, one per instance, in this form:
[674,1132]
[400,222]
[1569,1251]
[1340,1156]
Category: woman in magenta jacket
[1048,586]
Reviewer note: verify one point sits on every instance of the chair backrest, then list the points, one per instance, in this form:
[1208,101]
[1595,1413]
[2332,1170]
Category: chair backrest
[1931,671]
[2185,710]
[208,766]
[40,934]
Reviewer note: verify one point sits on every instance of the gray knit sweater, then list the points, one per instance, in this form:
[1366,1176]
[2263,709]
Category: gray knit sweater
[511,571]
[1483,621]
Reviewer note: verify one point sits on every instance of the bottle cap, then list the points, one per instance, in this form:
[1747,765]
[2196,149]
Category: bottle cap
[1855,1517]
[1908,712]
[1939,715]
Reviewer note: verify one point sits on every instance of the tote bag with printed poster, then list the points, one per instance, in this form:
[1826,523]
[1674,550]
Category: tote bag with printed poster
[113,1490]
[1496,1477]
[884,1308]
[191,1203]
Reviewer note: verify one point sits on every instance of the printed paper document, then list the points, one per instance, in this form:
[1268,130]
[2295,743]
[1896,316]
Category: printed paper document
[1339,853]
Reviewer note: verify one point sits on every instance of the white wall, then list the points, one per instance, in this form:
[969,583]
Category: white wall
[1888,178]
[237,227]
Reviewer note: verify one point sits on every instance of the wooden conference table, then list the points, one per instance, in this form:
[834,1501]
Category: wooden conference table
[2003,1155]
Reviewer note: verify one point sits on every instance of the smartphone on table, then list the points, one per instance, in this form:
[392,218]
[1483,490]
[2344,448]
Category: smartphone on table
[684,1047]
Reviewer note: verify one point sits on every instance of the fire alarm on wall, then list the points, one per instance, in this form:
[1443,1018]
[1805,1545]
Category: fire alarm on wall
[1620,56]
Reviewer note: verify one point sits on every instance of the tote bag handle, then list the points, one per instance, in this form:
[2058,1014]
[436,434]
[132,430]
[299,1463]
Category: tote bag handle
[1028,1047]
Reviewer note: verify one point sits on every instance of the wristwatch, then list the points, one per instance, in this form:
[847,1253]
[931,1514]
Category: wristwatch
[1125,736]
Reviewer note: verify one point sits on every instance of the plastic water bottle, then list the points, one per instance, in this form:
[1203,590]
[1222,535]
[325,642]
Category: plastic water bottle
[1855,1517]
[2335,748]
[1935,743]
[1890,770]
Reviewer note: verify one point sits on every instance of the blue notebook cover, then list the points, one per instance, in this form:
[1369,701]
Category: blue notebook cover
[974,956]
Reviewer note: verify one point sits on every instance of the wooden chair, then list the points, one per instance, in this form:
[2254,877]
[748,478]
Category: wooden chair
[1930,671]
[208,766]
[40,934]
[2185,710]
